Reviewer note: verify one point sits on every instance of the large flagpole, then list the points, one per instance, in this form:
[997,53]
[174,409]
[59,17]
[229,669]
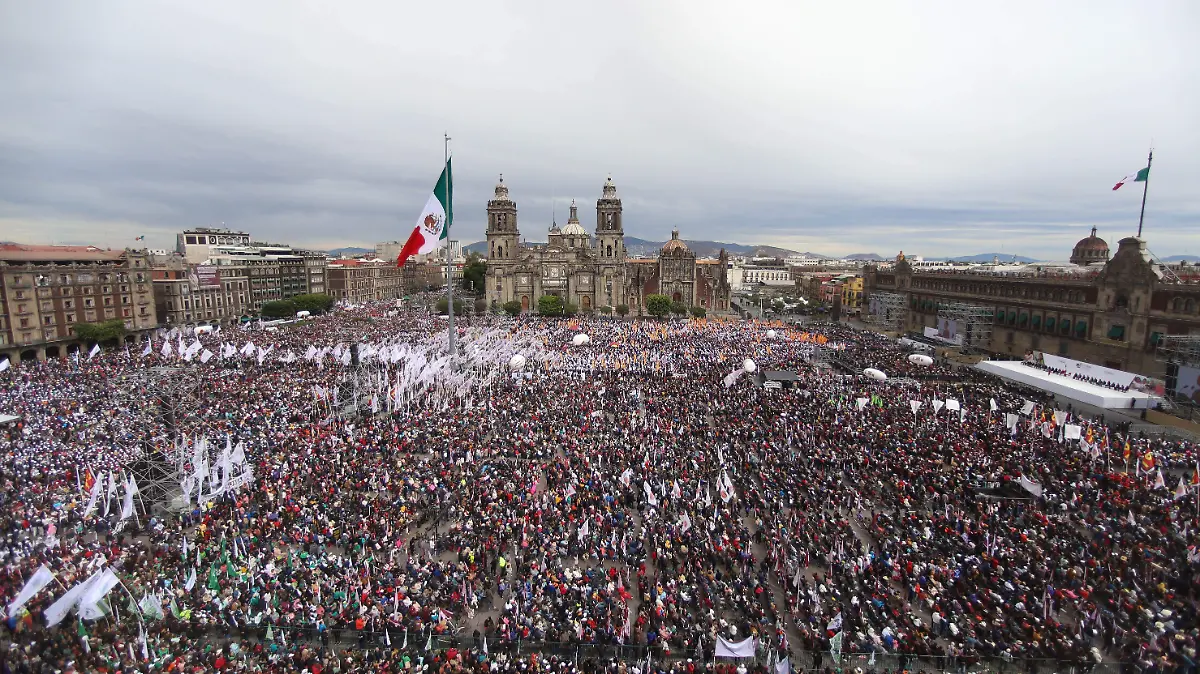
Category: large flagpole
[449,257]
[1145,188]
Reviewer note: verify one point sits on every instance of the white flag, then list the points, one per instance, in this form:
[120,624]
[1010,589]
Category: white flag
[127,503]
[60,608]
[191,581]
[95,350]
[4,365]
[149,346]
[40,578]
[166,350]
[97,487]
[88,603]
[205,356]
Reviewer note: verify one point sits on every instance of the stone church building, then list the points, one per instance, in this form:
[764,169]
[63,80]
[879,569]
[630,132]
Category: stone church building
[592,271]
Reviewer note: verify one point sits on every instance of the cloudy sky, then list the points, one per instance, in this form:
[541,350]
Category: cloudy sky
[939,128]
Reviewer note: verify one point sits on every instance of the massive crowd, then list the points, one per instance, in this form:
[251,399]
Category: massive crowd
[628,494]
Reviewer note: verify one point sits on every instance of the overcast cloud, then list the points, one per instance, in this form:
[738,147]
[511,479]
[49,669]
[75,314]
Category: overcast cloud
[939,128]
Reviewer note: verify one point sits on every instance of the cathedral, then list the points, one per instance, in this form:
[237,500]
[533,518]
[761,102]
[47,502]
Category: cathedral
[593,271]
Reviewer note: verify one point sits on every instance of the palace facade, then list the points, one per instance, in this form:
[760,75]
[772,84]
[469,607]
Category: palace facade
[1109,311]
[593,271]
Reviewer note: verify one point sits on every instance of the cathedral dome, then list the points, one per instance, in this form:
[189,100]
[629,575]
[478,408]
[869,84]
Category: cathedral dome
[676,245]
[1090,250]
[573,227]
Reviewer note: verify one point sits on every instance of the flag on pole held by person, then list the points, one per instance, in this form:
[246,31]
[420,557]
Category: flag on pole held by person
[430,231]
[40,579]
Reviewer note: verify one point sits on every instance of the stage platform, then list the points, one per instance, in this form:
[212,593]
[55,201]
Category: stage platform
[1097,396]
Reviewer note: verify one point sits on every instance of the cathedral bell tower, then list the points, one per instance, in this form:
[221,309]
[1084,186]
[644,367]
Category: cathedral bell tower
[610,247]
[503,244]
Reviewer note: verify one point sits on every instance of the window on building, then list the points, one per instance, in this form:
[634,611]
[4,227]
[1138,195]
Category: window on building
[190,240]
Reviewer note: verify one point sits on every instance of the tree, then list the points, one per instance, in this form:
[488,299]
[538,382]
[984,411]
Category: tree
[100,332]
[699,312]
[314,303]
[442,306]
[279,309]
[550,305]
[480,305]
[570,309]
[474,273]
[658,305]
[606,310]
[511,307]
[622,310]
[678,308]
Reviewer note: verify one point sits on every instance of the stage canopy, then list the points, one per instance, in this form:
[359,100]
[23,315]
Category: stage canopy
[1068,387]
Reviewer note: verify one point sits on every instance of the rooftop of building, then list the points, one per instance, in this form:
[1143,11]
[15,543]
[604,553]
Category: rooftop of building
[213,230]
[16,252]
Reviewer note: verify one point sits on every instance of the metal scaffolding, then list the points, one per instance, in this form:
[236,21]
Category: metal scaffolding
[889,310]
[174,396]
[972,321]
[1178,350]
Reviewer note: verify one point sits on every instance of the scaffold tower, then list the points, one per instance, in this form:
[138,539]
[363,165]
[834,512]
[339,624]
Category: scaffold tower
[1178,350]
[174,397]
[889,310]
[973,322]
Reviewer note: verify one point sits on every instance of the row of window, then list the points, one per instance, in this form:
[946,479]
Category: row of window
[1022,291]
[71,319]
[43,280]
[1182,305]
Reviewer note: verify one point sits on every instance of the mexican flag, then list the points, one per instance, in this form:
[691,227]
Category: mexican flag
[1139,177]
[433,225]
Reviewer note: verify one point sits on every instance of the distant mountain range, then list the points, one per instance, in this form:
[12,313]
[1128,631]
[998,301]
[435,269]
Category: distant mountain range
[350,251]
[1182,258]
[988,257]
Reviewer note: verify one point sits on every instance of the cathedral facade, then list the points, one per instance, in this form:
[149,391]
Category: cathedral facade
[593,271]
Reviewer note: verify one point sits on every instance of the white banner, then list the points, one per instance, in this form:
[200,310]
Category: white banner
[741,649]
[951,405]
[1027,408]
[1072,432]
[40,578]
[915,405]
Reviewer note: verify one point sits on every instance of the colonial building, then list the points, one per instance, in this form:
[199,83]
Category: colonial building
[358,281]
[1112,312]
[219,276]
[46,290]
[592,272]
